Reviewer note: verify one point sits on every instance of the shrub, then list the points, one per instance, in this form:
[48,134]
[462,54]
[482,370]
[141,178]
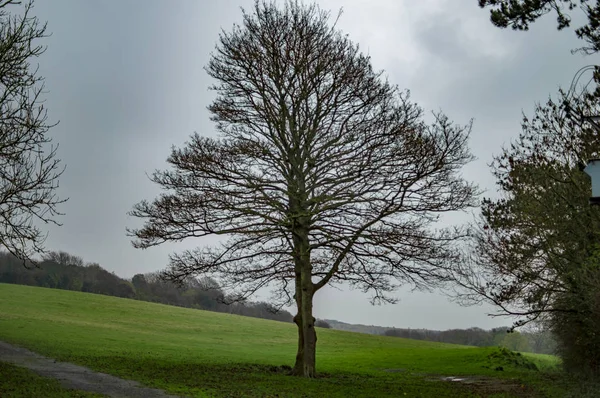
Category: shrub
[322,324]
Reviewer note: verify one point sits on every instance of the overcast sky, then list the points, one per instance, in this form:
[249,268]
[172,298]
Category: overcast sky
[125,79]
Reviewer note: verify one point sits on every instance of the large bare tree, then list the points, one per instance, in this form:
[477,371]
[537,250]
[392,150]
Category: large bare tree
[322,173]
[29,169]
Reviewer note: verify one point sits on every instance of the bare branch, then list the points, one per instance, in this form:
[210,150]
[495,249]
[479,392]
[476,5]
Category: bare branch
[29,169]
[323,172]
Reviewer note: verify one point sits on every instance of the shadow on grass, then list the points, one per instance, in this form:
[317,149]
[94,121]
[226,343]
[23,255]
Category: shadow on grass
[19,382]
[567,385]
[256,380]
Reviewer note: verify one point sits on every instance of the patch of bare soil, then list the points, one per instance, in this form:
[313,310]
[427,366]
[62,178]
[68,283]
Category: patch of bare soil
[490,385]
[75,376]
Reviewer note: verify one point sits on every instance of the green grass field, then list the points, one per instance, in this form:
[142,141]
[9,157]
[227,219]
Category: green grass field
[199,353]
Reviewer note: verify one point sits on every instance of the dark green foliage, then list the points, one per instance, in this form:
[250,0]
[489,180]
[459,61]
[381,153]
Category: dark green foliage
[534,248]
[322,324]
[578,333]
[503,357]
[520,14]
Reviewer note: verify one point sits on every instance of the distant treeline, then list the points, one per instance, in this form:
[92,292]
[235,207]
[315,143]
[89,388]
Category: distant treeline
[60,270]
[540,342]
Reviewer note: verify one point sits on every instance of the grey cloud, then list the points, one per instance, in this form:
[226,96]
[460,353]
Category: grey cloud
[126,80]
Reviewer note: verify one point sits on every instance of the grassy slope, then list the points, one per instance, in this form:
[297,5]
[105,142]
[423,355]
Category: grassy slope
[203,353]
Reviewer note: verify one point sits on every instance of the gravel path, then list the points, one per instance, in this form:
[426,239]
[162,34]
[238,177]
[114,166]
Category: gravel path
[75,376]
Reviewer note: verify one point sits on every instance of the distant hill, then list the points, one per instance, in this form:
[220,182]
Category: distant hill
[350,327]
[540,342]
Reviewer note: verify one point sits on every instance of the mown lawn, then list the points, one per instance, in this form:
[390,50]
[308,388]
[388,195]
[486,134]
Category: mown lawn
[199,353]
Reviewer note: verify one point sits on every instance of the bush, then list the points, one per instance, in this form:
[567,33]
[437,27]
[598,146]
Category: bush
[322,324]
[577,330]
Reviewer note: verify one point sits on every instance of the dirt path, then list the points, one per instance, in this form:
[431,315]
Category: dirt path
[75,376]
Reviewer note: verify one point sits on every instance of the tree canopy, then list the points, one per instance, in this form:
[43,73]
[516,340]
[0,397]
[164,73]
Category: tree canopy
[534,253]
[322,172]
[520,14]
[29,169]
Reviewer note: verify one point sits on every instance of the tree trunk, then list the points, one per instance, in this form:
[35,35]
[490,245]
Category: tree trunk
[305,365]
[299,365]
[308,332]
[307,337]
